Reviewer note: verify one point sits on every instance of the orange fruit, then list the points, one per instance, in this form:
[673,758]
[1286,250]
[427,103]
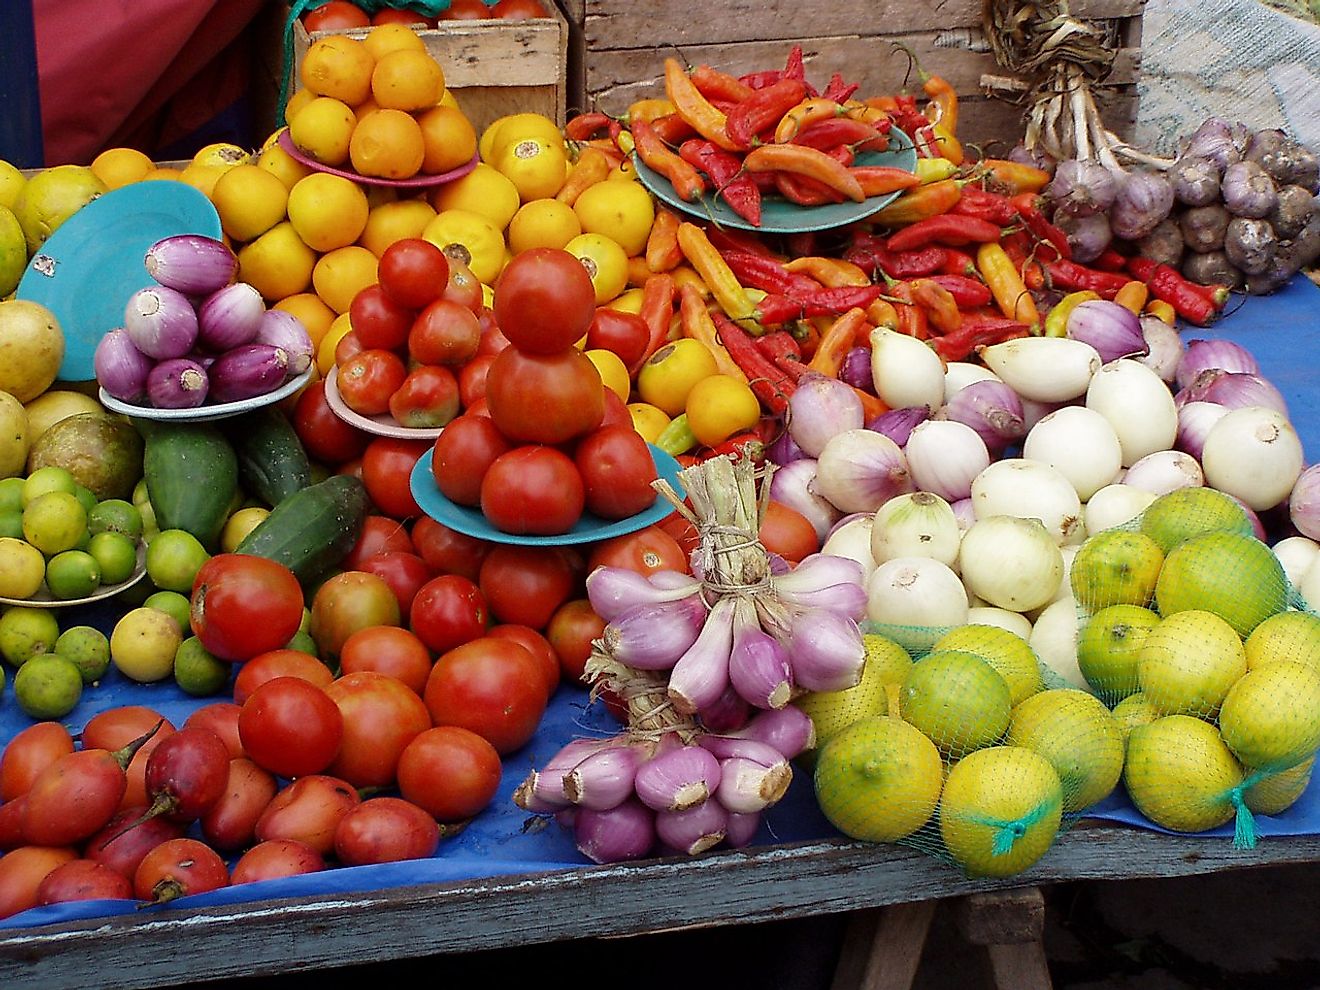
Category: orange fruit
[393,221]
[323,129]
[448,138]
[387,144]
[119,166]
[340,67]
[312,310]
[385,38]
[407,80]
[340,274]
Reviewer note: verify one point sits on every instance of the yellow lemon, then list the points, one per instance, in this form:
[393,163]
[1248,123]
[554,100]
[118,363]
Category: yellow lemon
[958,700]
[278,263]
[12,181]
[628,301]
[613,372]
[1080,738]
[1188,662]
[239,525]
[605,261]
[670,373]
[718,406]
[143,644]
[202,177]
[325,353]
[517,127]
[387,144]
[385,38]
[448,138]
[118,167]
[393,221]
[648,420]
[407,79]
[282,165]
[1180,774]
[22,568]
[1286,636]
[323,130]
[312,311]
[328,211]
[1003,650]
[534,166]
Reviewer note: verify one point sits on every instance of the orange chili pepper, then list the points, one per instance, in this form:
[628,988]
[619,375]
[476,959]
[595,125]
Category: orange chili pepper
[941,308]
[943,106]
[672,129]
[949,146]
[648,110]
[657,312]
[694,108]
[879,180]
[800,160]
[715,272]
[662,251]
[716,85]
[685,275]
[829,272]
[591,167]
[919,203]
[1133,296]
[872,406]
[638,272]
[698,325]
[808,112]
[1014,176]
[867,114]
[887,104]
[1161,310]
[1006,285]
[835,343]
[687,181]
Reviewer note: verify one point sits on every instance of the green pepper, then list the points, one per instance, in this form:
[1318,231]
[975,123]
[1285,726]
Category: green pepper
[677,438]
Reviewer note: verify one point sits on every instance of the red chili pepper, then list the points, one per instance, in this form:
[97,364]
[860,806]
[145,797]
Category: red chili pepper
[968,293]
[768,381]
[762,79]
[794,66]
[879,180]
[749,444]
[838,90]
[763,108]
[731,239]
[978,202]
[1198,304]
[780,348]
[670,128]
[768,274]
[974,333]
[731,183]
[802,243]
[872,254]
[585,126]
[946,228]
[1109,261]
[687,182]
[958,263]
[826,134]
[804,191]
[1023,253]
[717,85]
[1040,226]
[1065,274]
[775,310]
[911,318]
[657,311]
[839,299]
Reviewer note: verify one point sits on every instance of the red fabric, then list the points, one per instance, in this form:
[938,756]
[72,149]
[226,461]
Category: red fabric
[109,69]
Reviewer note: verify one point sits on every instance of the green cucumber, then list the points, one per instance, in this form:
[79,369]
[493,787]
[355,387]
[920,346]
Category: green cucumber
[272,463]
[313,529]
[191,473]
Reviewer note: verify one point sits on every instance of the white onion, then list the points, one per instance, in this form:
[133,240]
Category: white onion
[1165,471]
[1029,489]
[943,457]
[1114,505]
[905,371]
[1054,638]
[851,538]
[1138,405]
[959,374]
[919,524]
[1069,554]
[1081,444]
[1254,454]
[1309,587]
[860,470]
[1044,369]
[917,599]
[1297,554]
[991,615]
[791,484]
[1011,562]
[1165,348]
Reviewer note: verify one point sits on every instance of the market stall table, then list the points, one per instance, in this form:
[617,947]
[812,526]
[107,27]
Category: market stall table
[499,883]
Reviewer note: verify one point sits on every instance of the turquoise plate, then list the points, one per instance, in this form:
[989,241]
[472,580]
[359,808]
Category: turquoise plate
[88,268]
[779,216]
[589,528]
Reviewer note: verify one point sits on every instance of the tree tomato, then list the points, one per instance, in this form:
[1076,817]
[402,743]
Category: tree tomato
[377,319]
[347,602]
[544,300]
[413,271]
[617,470]
[387,466]
[368,379]
[335,15]
[244,605]
[399,15]
[325,436]
[308,810]
[646,551]
[465,10]
[221,717]
[532,489]
[535,644]
[525,584]
[379,534]
[462,455]
[451,772]
[381,716]
[405,573]
[616,412]
[385,830]
[346,346]
[491,686]
[83,880]
[426,399]
[626,334]
[177,868]
[290,727]
[445,332]
[472,379]
[447,611]
[787,532]
[544,398]
[230,823]
[570,632]
[389,650]
[28,753]
[447,551]
[276,858]
[279,663]
[23,870]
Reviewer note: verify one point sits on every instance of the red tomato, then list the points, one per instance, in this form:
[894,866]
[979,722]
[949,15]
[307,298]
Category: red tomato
[616,411]
[308,810]
[244,605]
[490,686]
[381,716]
[387,466]
[447,551]
[368,379]
[348,345]
[535,644]
[389,650]
[525,584]
[516,10]
[682,531]
[276,858]
[617,470]
[445,332]
[462,455]
[335,16]
[646,551]
[221,717]
[463,287]
[479,408]
[28,753]
[492,337]
[398,15]
[279,663]
[472,379]
[532,489]
[176,868]
[787,532]
[450,772]
[427,398]
[324,435]
[536,398]
[413,271]
[385,830]
[465,10]
[379,321]
[570,633]
[379,534]
[290,727]
[21,873]
[353,468]
[544,300]
[625,334]
[448,611]
[347,602]
[405,573]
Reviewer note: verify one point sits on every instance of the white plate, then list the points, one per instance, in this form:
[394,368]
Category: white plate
[199,414]
[43,598]
[383,425]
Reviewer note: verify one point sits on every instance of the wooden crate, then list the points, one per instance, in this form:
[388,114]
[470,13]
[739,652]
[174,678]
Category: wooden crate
[493,67]
[618,47]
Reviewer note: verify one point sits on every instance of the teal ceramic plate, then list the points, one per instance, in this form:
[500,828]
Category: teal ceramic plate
[779,216]
[88,268]
[589,528]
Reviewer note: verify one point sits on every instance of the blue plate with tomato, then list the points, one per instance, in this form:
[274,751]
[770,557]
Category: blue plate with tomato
[589,528]
[779,216]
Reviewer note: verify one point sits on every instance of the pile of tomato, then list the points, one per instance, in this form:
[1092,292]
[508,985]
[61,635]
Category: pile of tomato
[340,14]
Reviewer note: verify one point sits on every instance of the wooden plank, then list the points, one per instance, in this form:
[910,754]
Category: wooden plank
[758,884]
[1002,917]
[1020,967]
[882,947]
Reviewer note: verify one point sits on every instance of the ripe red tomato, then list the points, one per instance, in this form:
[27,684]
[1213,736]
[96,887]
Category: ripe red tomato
[623,333]
[325,436]
[537,645]
[176,868]
[335,16]
[368,380]
[472,379]
[462,455]
[682,531]
[427,398]
[616,411]
[445,332]
[387,466]
[449,771]
[516,10]
[347,602]
[381,716]
[379,534]
[279,663]
[787,532]
[290,727]
[537,398]
[398,15]
[412,271]
[379,321]
[389,650]
[447,551]
[244,605]
[570,633]
[492,338]
[347,345]
[463,287]
[525,584]
[532,489]
[385,830]
[447,611]
[617,470]
[646,551]
[465,10]
[405,573]
[544,300]
[490,686]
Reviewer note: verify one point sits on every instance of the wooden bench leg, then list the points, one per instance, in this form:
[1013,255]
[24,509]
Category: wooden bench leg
[882,947]
[1011,925]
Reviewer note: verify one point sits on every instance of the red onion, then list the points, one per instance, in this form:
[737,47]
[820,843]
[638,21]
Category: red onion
[614,590]
[677,779]
[1088,234]
[161,322]
[229,317]
[859,471]
[603,779]
[120,368]
[758,665]
[789,730]
[964,510]
[621,833]
[282,329]
[701,674]
[1113,330]
[191,263]
[819,409]
[248,371]
[784,450]
[1304,502]
[825,649]
[179,383]
[856,369]
[1144,199]
[653,637]
[1224,355]
[693,830]
[748,785]
[543,790]
[825,580]
[791,485]
[727,713]
[898,424]
[1082,187]
[741,828]
[1194,422]
[1235,390]
[992,409]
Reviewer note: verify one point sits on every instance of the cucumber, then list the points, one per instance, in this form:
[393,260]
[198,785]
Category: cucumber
[313,529]
[272,463]
[191,473]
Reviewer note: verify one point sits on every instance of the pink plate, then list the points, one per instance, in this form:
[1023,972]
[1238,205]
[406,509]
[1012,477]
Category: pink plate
[384,425]
[416,182]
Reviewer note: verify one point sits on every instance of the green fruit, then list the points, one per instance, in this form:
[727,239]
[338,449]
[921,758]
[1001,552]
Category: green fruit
[302,642]
[1276,792]
[45,480]
[1078,735]
[50,197]
[115,515]
[956,699]
[1270,718]
[1115,567]
[173,559]
[1286,636]
[102,453]
[1108,648]
[1187,512]
[198,672]
[54,522]
[13,251]
[11,494]
[48,687]
[173,604]
[115,555]
[26,633]
[1235,576]
[72,574]
[88,648]
[1003,650]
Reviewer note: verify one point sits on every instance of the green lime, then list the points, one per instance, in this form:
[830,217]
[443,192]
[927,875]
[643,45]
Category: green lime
[48,686]
[88,648]
[173,604]
[197,671]
[86,498]
[48,479]
[115,554]
[11,494]
[26,633]
[302,642]
[173,559]
[54,522]
[72,574]
[11,523]
[115,515]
